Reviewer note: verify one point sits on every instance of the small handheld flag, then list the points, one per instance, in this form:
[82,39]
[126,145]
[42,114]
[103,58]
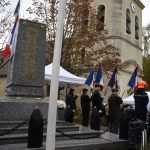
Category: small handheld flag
[132,82]
[90,79]
[99,78]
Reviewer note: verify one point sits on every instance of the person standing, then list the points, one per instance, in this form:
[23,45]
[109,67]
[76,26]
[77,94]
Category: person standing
[97,107]
[141,101]
[114,103]
[140,115]
[70,105]
[85,106]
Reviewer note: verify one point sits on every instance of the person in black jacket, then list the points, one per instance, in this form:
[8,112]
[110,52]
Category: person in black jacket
[97,107]
[114,103]
[70,105]
[141,101]
[85,105]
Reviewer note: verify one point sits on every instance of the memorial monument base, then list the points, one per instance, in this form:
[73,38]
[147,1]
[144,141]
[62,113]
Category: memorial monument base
[20,108]
[14,90]
[14,110]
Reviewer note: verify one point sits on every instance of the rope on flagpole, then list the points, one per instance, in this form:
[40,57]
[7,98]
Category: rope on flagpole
[2,65]
[106,90]
[124,91]
[1,61]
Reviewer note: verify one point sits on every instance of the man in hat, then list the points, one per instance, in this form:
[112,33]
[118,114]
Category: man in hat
[97,107]
[70,105]
[85,105]
[114,103]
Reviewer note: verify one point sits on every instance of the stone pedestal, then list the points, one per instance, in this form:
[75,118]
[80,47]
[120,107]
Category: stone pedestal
[60,114]
[18,108]
[27,65]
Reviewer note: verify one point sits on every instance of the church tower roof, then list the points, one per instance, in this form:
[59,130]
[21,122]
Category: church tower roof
[139,3]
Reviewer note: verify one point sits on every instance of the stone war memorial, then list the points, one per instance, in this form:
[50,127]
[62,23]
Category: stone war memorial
[25,81]
[25,92]
[26,77]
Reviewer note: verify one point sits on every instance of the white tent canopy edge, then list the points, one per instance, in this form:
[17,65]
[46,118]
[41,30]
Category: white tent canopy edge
[130,99]
[64,75]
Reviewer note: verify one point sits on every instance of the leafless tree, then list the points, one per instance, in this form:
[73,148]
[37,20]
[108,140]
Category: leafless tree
[5,13]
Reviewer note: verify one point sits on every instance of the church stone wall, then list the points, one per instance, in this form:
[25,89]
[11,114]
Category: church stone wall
[3,82]
[115,23]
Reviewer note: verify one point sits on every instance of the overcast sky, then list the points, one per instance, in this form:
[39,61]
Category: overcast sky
[26,3]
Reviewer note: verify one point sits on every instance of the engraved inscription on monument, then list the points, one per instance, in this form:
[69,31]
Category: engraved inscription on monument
[26,71]
[29,70]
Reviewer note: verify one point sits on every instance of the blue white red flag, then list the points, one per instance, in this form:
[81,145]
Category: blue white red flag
[99,77]
[113,79]
[133,80]
[8,48]
[90,79]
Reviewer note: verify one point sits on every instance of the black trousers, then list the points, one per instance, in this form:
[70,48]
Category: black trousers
[69,115]
[95,119]
[85,116]
[114,126]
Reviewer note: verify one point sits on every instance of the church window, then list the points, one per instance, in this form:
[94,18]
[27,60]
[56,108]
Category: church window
[128,22]
[136,27]
[100,17]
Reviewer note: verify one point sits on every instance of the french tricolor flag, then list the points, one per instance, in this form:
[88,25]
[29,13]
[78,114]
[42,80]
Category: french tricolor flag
[13,35]
[99,77]
[90,79]
[133,80]
[113,80]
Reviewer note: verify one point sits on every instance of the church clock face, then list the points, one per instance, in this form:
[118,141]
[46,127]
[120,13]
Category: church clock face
[132,5]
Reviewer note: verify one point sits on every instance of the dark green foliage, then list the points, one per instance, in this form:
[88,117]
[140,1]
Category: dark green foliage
[146,70]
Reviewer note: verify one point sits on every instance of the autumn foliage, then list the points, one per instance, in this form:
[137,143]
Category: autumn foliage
[84,38]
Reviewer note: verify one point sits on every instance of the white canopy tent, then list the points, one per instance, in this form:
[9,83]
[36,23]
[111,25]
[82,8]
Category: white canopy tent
[64,75]
[130,99]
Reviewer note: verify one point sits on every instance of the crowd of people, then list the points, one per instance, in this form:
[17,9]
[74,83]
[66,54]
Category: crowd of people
[93,108]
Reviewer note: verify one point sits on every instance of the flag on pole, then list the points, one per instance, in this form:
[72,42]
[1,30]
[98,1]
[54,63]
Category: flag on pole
[8,50]
[113,79]
[90,79]
[133,80]
[99,77]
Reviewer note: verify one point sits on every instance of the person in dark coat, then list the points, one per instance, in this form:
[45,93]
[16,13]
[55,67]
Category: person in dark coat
[35,129]
[97,107]
[70,105]
[141,101]
[114,103]
[85,105]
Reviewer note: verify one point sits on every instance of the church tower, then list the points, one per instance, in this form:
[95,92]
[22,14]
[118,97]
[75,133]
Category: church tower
[123,20]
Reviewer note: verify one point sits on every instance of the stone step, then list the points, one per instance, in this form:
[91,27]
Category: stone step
[22,138]
[102,143]
[15,123]
[68,137]
[24,129]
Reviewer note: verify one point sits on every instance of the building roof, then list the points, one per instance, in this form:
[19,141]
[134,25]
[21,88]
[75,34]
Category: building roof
[128,63]
[139,3]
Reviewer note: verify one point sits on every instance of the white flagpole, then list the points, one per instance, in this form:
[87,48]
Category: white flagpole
[51,126]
